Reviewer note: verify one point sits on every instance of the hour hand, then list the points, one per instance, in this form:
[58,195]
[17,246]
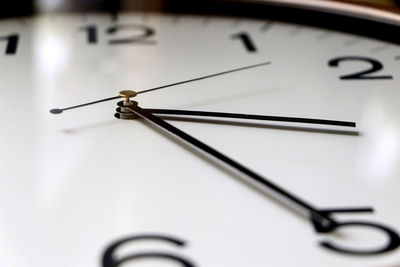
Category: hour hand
[321,219]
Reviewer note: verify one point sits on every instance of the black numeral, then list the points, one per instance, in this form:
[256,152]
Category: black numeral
[375,66]
[140,34]
[91,32]
[110,258]
[12,43]
[246,40]
[393,239]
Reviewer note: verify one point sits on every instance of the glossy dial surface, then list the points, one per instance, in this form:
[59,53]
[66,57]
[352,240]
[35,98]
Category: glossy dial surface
[74,183]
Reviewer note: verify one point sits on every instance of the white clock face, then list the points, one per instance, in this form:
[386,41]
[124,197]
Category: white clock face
[74,183]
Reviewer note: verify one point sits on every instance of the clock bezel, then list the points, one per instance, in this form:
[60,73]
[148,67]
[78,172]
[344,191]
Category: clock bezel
[382,25]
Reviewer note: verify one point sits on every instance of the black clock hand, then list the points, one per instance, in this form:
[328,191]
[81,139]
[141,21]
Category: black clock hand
[214,153]
[321,219]
[249,117]
[60,110]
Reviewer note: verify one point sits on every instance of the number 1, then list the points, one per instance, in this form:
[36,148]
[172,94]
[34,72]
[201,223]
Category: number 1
[91,34]
[12,43]
[246,40]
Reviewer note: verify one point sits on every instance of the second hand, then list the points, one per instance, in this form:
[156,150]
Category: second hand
[61,110]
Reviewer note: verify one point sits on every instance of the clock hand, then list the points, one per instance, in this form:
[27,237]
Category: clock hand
[250,124]
[249,117]
[321,219]
[204,77]
[60,110]
[214,153]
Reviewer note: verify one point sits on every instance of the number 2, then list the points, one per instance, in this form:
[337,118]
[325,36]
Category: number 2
[375,66]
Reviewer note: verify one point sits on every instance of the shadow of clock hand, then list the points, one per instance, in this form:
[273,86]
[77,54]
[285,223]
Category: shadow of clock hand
[86,127]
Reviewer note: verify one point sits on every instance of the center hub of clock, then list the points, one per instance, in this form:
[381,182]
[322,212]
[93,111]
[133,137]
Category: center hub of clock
[123,110]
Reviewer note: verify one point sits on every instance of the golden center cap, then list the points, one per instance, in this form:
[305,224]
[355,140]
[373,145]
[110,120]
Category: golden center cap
[127,94]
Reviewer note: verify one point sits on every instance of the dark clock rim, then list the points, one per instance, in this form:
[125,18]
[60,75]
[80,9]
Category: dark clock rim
[316,18]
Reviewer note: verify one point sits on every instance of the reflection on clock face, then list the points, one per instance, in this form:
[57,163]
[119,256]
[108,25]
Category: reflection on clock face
[86,189]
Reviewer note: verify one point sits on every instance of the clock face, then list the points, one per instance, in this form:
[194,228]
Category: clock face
[74,184]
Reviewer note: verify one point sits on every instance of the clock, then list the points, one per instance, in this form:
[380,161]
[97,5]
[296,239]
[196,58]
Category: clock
[228,133]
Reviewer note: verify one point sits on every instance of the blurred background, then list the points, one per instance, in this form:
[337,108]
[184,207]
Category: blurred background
[30,7]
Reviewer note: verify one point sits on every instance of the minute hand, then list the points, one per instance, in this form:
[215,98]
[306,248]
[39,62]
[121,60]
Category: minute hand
[249,117]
